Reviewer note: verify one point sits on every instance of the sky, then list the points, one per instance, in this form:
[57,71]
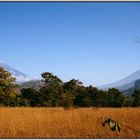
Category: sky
[94,42]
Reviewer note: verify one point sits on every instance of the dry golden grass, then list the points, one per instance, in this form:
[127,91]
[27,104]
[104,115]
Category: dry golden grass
[61,123]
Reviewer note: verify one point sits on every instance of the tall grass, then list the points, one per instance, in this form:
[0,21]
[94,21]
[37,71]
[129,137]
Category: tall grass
[71,123]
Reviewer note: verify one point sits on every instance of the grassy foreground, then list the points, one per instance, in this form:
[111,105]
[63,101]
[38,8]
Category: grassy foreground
[72,123]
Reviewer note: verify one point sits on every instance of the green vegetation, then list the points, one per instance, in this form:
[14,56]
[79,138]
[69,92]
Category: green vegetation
[56,93]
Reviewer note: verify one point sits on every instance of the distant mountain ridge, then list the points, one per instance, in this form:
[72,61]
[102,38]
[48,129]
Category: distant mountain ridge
[35,84]
[131,90]
[124,83]
[20,76]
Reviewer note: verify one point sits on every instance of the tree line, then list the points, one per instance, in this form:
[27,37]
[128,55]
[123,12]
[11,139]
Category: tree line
[56,93]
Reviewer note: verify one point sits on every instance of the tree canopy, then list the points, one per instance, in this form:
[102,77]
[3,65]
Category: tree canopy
[56,93]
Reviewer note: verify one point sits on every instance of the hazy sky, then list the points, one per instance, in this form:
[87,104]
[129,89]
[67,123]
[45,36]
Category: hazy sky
[90,41]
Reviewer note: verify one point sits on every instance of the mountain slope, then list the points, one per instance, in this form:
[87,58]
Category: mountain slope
[131,90]
[35,84]
[127,82]
[20,76]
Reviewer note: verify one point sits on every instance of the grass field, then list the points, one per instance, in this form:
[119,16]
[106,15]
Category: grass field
[72,123]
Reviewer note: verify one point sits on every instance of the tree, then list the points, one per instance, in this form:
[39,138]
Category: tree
[98,97]
[8,88]
[52,89]
[72,86]
[66,100]
[115,98]
[82,100]
[50,79]
[32,96]
[136,98]
[128,102]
